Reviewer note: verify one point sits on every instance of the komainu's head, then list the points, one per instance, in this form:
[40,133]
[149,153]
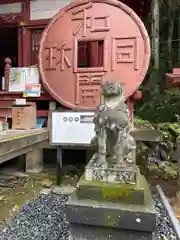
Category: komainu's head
[111,89]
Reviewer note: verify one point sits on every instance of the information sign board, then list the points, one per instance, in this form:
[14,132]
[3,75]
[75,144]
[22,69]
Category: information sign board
[72,128]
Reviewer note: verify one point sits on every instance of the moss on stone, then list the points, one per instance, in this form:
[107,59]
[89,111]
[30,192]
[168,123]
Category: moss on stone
[114,192]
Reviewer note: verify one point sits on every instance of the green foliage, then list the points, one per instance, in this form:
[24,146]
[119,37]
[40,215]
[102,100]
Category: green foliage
[160,107]
[141,122]
[169,130]
[165,170]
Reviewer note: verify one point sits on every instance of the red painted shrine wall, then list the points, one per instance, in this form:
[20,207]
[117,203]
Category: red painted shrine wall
[30,30]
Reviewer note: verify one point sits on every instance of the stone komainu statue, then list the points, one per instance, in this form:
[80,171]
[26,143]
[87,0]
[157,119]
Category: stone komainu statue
[112,127]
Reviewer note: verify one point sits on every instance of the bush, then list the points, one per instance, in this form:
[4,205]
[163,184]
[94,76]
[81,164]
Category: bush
[160,106]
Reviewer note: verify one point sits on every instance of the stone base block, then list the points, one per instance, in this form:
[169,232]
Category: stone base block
[124,193]
[113,215]
[127,173]
[84,232]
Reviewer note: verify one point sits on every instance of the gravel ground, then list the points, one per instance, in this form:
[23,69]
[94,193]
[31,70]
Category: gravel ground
[41,219]
[44,219]
[164,229]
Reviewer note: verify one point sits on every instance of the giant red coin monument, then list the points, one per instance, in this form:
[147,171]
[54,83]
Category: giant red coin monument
[88,43]
[94,55]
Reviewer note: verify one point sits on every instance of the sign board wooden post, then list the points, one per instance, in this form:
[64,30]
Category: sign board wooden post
[70,130]
[59,166]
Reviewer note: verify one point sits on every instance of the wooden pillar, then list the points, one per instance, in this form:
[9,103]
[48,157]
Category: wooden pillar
[20,46]
[52,107]
[130,103]
[26,16]
[24,40]
[21,163]
[7,73]
[26,53]
[34,161]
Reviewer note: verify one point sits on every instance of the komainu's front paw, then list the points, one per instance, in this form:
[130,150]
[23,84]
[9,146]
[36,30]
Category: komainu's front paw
[101,161]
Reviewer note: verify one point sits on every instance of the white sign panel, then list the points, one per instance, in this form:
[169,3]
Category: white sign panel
[20,101]
[16,80]
[19,77]
[44,9]
[72,128]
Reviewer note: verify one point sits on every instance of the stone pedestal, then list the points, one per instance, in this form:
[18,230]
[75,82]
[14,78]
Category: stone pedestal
[114,193]
[112,200]
[126,173]
[34,161]
[104,210]
[83,232]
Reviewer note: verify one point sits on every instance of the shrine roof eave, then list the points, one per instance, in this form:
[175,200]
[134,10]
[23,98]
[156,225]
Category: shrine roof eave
[141,7]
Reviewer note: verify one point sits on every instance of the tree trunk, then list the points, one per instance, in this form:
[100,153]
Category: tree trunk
[155,32]
[178,161]
[170,37]
[178,36]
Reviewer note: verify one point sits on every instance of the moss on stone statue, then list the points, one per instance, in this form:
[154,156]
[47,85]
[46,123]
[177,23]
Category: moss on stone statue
[112,212]
[114,192]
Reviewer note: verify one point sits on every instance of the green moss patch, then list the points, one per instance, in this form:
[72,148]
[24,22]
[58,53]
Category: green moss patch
[116,193]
